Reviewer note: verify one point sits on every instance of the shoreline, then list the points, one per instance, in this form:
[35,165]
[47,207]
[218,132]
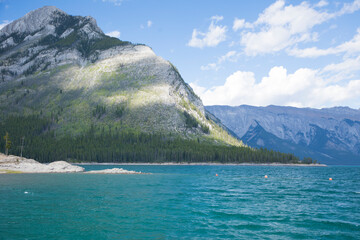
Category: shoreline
[10,164]
[205,164]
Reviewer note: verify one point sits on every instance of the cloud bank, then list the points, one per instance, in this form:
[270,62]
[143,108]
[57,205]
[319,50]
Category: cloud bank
[282,26]
[303,88]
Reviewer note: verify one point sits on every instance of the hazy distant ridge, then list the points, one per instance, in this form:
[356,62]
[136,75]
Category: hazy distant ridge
[328,134]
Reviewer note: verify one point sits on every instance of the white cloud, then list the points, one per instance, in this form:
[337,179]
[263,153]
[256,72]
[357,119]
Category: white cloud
[239,24]
[351,64]
[231,56]
[198,90]
[149,23]
[266,41]
[345,70]
[210,66]
[296,19]
[303,88]
[350,48]
[322,3]
[115,2]
[4,23]
[281,26]
[215,35]
[115,34]
[349,8]
[217,18]
[311,52]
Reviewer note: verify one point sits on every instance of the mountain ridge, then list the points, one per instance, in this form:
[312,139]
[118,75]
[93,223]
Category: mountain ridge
[329,134]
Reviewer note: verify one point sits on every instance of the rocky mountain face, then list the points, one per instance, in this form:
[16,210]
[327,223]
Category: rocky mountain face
[331,135]
[56,65]
[46,38]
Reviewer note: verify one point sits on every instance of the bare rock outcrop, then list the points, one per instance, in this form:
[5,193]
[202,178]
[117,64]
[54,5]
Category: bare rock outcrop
[23,165]
[114,171]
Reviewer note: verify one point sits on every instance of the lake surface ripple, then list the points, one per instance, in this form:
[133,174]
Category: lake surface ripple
[184,202]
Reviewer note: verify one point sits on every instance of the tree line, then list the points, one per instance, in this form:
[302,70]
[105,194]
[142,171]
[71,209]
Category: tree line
[34,137]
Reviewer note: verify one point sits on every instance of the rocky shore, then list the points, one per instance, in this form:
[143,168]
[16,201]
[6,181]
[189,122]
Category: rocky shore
[114,171]
[15,164]
[211,164]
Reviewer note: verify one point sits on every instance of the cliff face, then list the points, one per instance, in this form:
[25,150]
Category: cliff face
[46,38]
[64,67]
[331,135]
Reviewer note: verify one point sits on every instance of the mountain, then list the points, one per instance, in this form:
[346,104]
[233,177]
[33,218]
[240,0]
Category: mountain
[66,67]
[68,91]
[331,135]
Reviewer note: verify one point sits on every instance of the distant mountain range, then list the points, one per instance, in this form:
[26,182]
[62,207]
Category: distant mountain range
[330,135]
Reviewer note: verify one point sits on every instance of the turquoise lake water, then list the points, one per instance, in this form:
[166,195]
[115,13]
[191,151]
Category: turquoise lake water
[184,202]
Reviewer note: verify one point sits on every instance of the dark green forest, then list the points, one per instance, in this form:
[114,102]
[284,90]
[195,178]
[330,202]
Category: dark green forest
[98,145]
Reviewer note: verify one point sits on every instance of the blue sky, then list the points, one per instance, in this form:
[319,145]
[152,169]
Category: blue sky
[293,53]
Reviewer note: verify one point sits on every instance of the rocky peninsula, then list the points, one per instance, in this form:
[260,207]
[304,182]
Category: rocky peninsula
[114,171]
[16,164]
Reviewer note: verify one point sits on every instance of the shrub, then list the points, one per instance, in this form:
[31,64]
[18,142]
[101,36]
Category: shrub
[190,121]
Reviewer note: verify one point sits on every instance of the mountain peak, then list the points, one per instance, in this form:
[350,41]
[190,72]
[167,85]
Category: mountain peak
[46,10]
[50,37]
[33,21]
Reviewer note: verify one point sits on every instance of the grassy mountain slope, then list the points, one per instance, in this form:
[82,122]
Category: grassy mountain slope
[136,90]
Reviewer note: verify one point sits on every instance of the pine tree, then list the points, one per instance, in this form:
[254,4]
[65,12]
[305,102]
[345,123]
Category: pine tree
[7,143]
[22,145]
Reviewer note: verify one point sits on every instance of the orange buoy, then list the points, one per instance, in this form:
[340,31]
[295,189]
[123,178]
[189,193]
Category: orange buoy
[330,179]
[216,175]
[266,176]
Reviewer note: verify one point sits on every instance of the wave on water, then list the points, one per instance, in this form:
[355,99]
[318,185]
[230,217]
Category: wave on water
[183,202]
